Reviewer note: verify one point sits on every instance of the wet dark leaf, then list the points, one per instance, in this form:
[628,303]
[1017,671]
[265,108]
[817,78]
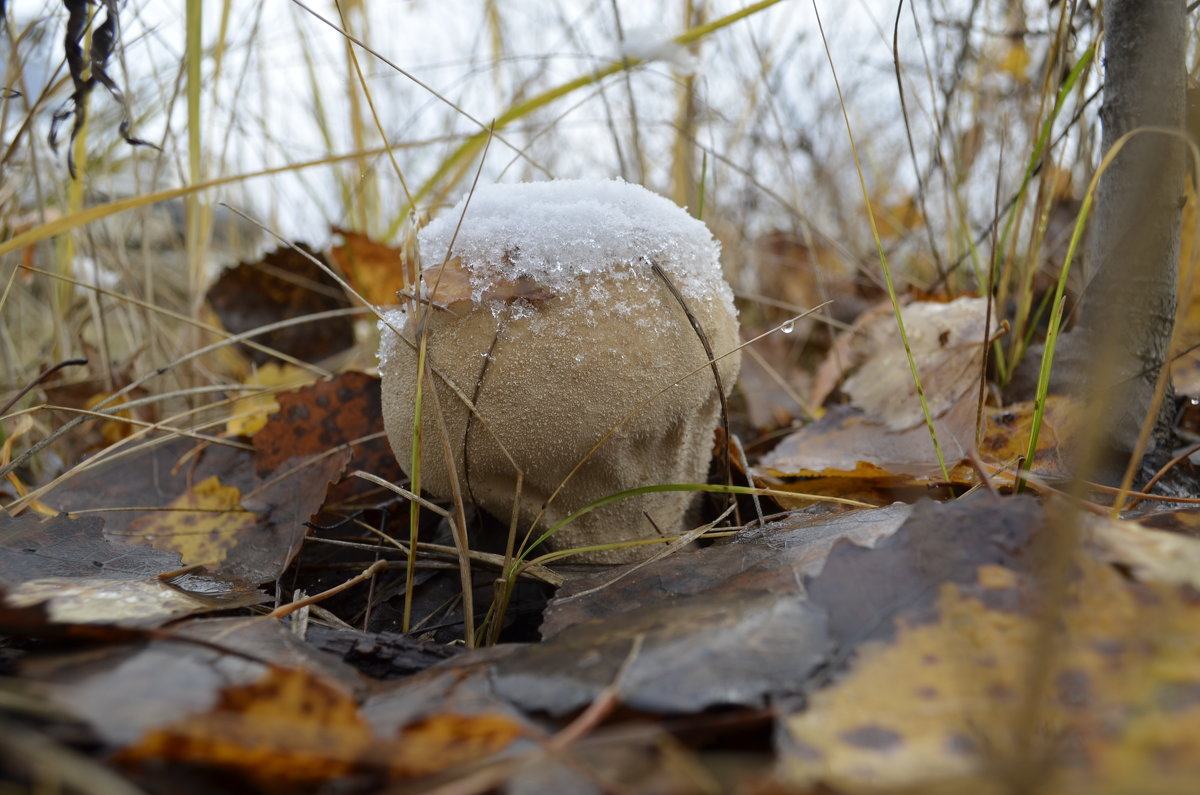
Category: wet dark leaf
[67,566]
[863,590]
[772,558]
[208,504]
[695,652]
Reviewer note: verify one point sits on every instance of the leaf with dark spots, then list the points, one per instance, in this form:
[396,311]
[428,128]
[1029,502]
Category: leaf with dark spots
[940,702]
[284,284]
[326,415]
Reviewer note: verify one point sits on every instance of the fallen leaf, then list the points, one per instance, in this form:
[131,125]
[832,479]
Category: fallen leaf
[862,590]
[694,652]
[940,707]
[284,284]
[122,603]
[245,696]
[68,567]
[947,342]
[326,415]
[1005,438]
[446,741]
[207,501]
[774,558]
[1185,521]
[249,414]
[32,548]
[450,283]
[376,271]
[285,729]
[203,524]
[1150,555]
[845,443]
[448,717]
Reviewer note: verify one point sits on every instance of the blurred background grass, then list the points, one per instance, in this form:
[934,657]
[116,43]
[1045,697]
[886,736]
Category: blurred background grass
[741,122]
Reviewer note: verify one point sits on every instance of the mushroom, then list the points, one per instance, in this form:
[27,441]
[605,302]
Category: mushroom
[557,310]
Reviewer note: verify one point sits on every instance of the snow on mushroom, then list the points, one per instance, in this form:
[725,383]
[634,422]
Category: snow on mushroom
[543,308]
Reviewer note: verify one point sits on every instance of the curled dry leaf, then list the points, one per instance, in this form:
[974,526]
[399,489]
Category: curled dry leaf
[451,284]
[947,342]
[883,433]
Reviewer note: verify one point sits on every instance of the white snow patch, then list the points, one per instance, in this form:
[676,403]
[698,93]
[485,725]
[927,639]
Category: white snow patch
[555,232]
[647,44]
[391,318]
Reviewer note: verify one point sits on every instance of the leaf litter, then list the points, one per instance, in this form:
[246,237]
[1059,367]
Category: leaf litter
[876,648]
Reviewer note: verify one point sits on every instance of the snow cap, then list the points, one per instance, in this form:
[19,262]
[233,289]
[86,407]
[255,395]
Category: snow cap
[553,232]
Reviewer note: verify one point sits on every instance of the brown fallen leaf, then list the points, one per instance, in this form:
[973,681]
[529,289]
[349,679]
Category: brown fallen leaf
[451,283]
[446,741]
[448,719]
[326,415]
[376,271]
[283,284]
[286,728]
[1006,432]
[847,444]
[947,342]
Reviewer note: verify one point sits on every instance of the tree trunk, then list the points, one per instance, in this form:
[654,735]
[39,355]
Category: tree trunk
[1120,344]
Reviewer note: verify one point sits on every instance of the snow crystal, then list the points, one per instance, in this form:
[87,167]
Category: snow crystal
[555,232]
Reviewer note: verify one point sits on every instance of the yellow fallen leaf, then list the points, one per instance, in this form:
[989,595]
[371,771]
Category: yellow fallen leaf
[202,524]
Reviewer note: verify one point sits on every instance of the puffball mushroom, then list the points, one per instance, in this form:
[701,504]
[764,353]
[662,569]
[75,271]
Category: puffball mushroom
[543,309]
